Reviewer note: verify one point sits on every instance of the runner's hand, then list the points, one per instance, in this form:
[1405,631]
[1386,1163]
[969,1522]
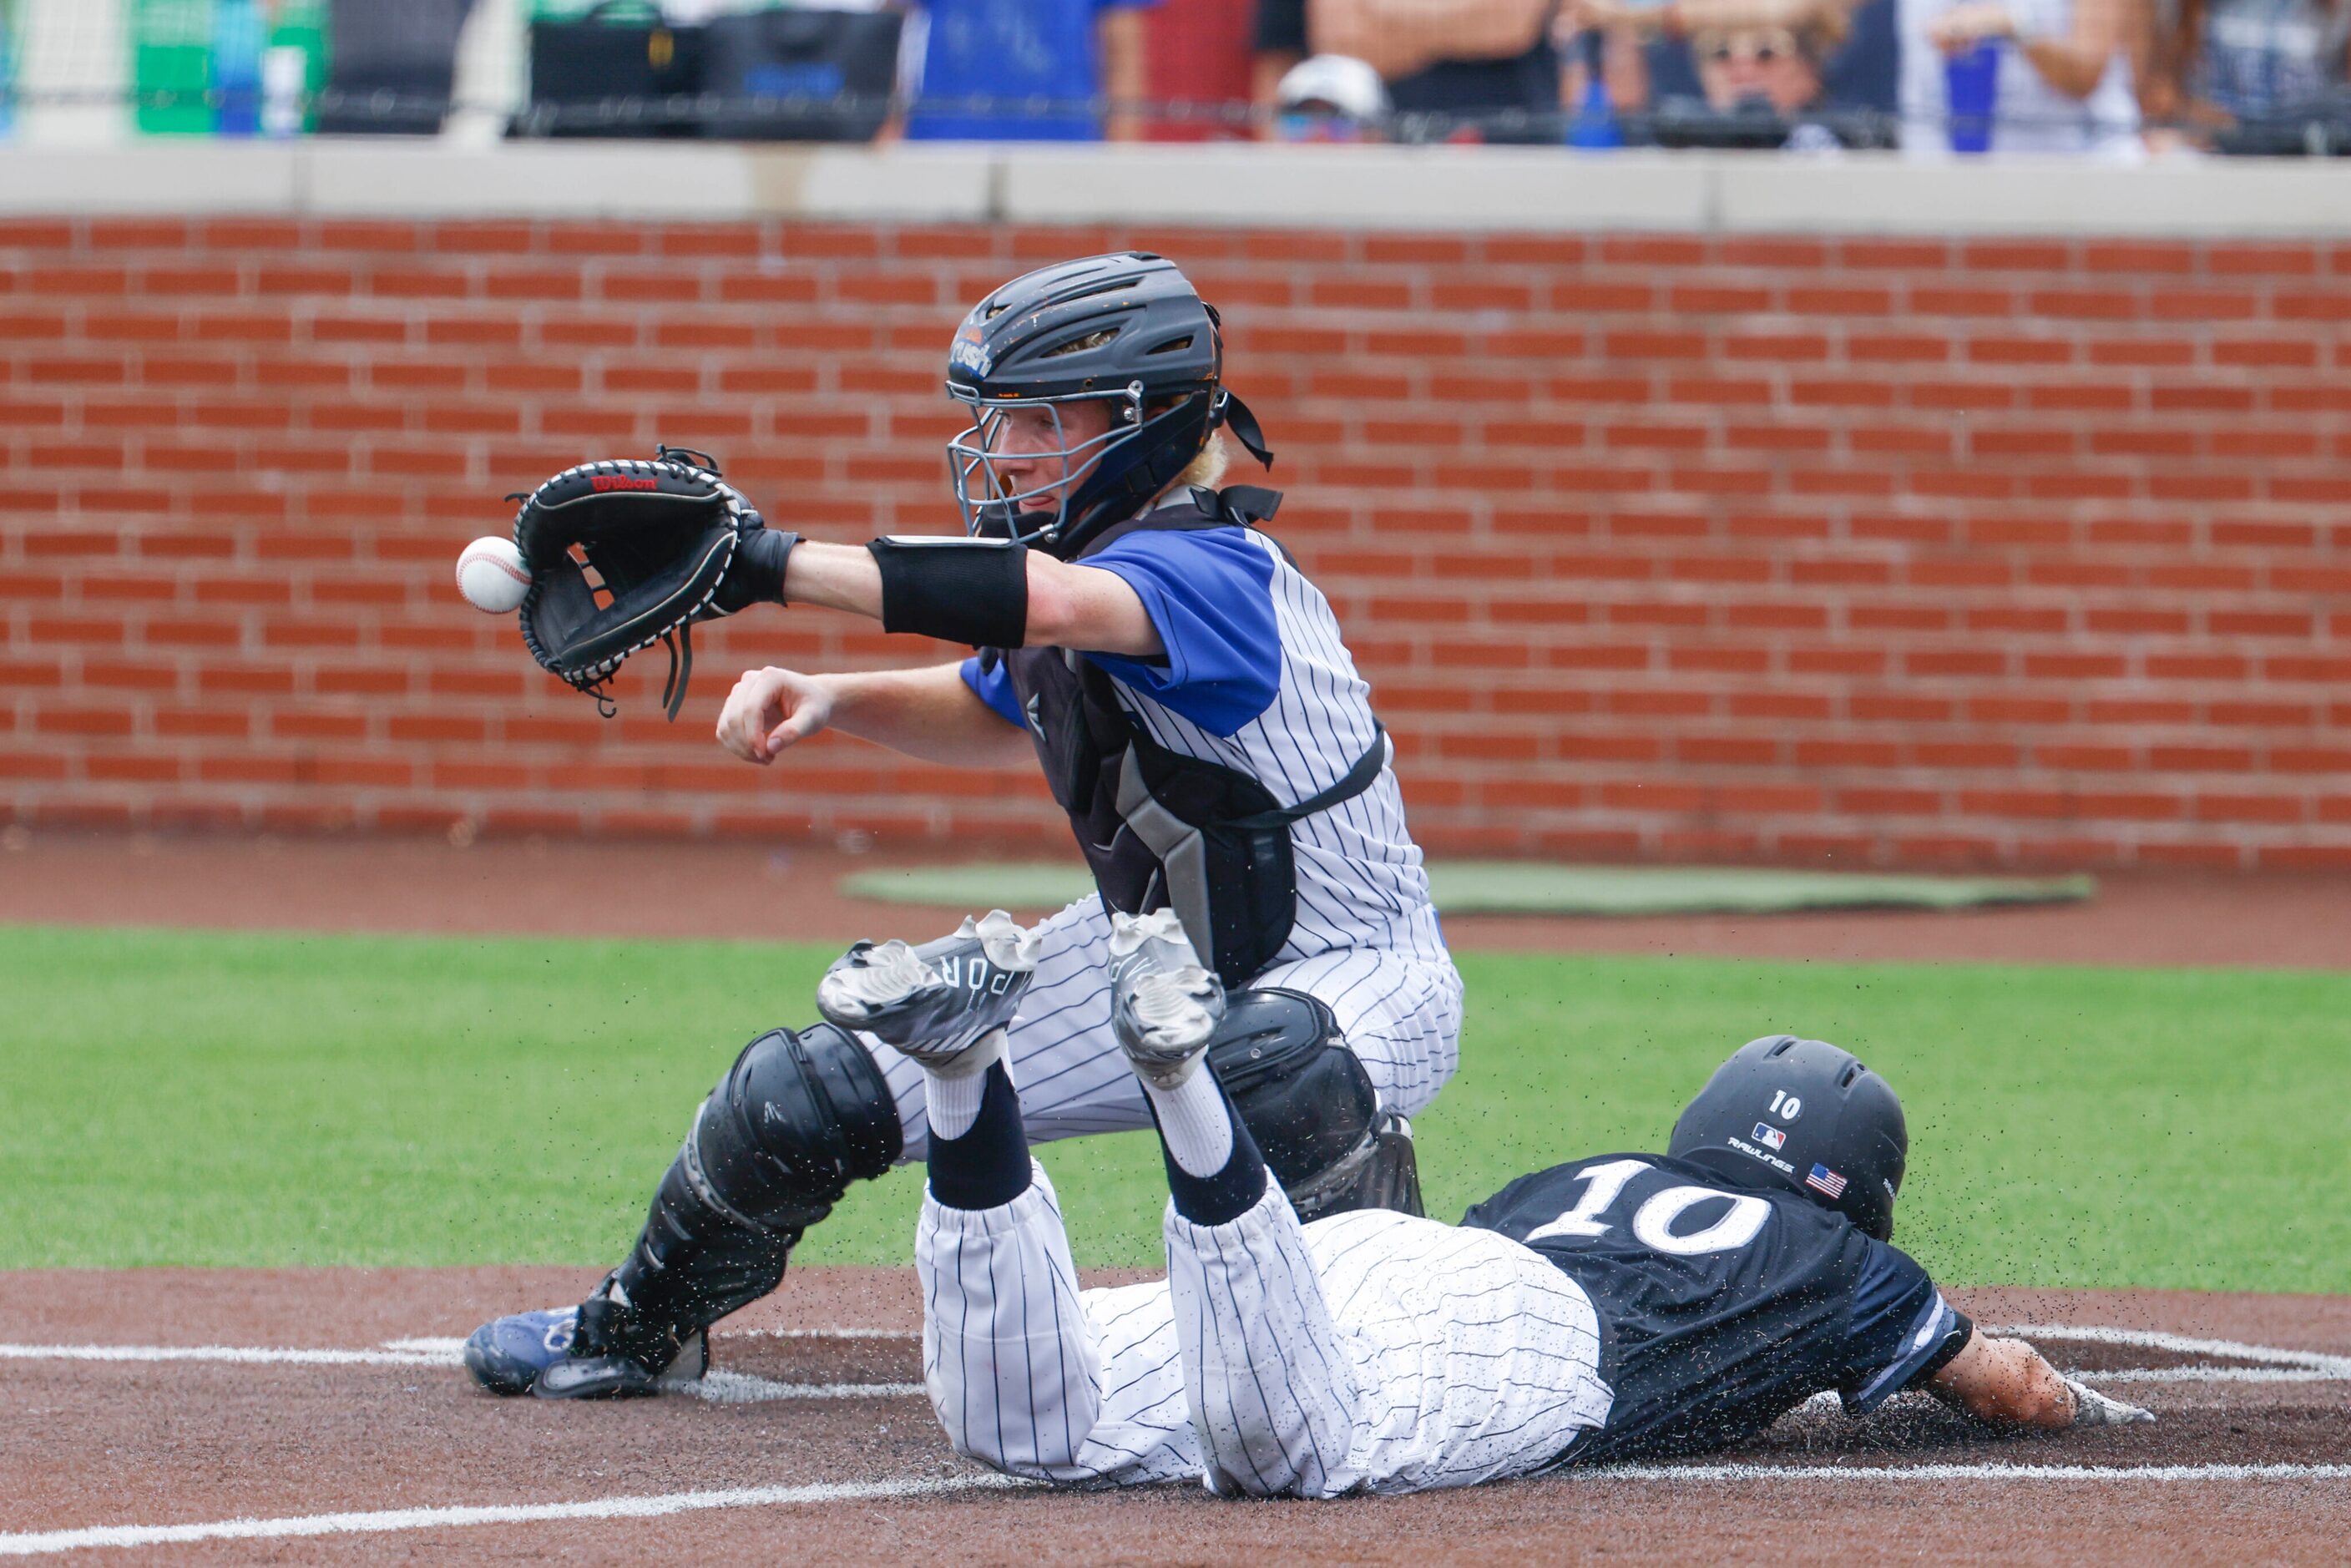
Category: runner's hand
[2092,1408]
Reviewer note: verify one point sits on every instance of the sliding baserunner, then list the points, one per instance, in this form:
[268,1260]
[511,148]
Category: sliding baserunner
[1614,1307]
[1196,713]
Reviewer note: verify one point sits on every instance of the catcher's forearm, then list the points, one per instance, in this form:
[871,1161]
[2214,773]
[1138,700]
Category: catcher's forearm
[838,577]
[928,712]
[1059,605]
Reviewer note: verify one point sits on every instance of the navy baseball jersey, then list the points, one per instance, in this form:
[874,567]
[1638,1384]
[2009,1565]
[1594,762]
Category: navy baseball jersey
[1720,1306]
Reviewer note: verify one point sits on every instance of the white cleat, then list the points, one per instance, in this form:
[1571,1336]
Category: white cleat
[1165,1004]
[935,1001]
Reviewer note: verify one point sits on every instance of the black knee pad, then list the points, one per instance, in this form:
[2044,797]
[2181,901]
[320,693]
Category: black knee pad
[797,1118]
[1311,1107]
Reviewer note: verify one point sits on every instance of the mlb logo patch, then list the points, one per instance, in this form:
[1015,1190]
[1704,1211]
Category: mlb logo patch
[1769,1136]
[1823,1179]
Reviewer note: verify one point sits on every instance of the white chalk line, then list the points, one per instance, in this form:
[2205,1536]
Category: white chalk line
[723,1386]
[720,1386]
[1979,1472]
[717,1386]
[240,1354]
[2210,1374]
[453,1346]
[2151,1339]
[43,1542]
[51,1542]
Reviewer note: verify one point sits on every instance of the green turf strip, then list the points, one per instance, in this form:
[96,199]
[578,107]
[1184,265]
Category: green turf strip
[1514,887]
[221,1099]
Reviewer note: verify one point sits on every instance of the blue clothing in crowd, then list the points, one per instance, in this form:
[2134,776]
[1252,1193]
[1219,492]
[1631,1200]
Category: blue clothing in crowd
[1027,54]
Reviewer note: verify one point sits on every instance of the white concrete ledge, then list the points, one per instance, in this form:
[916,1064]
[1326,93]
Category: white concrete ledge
[1448,188]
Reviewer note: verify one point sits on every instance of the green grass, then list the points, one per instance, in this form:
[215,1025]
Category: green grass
[238,1100]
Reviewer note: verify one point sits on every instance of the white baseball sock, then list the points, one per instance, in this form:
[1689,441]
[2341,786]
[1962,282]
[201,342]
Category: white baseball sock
[954,1097]
[1193,1122]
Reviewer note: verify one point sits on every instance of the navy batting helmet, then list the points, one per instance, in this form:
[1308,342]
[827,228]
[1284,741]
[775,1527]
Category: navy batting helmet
[1128,330]
[1804,1115]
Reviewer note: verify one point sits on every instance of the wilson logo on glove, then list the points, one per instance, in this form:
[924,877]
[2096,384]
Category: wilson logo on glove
[621,482]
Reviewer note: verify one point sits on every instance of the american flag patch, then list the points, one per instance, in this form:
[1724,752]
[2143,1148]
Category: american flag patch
[1823,1179]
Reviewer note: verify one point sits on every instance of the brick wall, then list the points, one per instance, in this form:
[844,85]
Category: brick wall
[1920,553]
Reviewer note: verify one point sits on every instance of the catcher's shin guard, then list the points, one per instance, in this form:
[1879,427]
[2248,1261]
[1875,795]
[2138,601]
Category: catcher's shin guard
[797,1118]
[1311,1107]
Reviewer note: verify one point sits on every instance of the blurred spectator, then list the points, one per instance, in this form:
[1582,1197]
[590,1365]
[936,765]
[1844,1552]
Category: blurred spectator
[1484,68]
[1330,98]
[1768,74]
[1198,69]
[1026,71]
[1614,41]
[1749,73]
[2065,76]
[2247,66]
[393,70]
[1865,74]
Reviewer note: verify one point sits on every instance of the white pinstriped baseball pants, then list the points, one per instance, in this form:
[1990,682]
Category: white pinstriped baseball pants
[1399,1013]
[1370,1351]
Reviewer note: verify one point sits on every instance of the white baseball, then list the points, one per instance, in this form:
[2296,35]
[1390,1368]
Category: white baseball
[492,577]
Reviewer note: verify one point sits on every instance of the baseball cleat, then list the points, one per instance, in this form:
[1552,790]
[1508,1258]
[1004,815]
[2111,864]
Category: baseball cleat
[609,1355]
[1165,1005]
[506,1355]
[935,1001]
[619,1376]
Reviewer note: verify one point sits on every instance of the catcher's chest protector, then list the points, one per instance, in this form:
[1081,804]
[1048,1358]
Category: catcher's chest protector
[1158,829]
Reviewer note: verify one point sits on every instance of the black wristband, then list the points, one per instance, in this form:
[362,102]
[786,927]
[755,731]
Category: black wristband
[974,591]
[757,575]
[1955,1340]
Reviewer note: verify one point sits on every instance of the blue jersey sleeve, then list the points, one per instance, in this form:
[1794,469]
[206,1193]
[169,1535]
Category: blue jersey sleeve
[1902,1330]
[992,684]
[1209,592]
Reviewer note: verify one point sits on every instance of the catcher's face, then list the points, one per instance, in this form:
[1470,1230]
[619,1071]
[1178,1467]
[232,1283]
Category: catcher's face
[1032,448]
[1018,465]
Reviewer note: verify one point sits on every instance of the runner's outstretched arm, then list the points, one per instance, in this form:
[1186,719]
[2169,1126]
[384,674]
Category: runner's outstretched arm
[2007,1383]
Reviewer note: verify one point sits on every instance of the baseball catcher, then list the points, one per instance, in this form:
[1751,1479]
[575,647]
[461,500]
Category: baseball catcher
[1614,1307]
[1192,702]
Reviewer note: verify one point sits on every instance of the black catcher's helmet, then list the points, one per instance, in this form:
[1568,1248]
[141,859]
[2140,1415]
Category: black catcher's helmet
[1804,1115]
[1128,330]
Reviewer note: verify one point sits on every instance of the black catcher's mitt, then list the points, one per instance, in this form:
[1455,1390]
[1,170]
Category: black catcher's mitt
[668,542]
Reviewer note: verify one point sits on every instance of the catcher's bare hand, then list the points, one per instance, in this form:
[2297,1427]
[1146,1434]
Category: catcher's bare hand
[771,709]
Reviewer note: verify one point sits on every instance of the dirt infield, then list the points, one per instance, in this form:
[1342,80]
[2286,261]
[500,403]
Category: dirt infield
[810,1445]
[755,891]
[302,1416]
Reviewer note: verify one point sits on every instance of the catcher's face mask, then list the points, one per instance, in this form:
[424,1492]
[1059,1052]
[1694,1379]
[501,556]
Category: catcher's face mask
[1017,469]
